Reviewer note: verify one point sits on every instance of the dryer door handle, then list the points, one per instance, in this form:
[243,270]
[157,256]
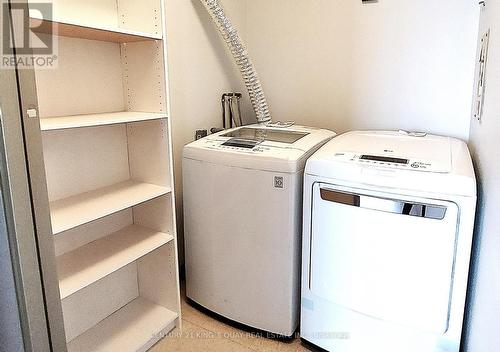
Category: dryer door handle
[395,206]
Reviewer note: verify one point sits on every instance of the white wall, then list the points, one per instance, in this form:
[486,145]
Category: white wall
[343,65]
[200,70]
[483,332]
[337,64]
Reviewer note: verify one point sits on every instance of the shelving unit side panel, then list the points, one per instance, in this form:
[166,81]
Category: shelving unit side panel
[148,152]
[89,306]
[173,272]
[143,76]
[102,12]
[79,236]
[155,214]
[144,16]
[81,160]
[87,80]
[157,277]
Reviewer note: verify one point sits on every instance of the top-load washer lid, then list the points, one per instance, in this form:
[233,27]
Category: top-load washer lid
[423,163]
[260,147]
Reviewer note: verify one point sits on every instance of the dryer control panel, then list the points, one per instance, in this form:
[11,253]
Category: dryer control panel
[386,161]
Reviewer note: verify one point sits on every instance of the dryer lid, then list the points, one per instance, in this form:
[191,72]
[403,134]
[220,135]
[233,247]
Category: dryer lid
[397,160]
[395,150]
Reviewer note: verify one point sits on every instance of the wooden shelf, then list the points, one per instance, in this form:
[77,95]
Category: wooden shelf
[80,209]
[77,121]
[135,327]
[83,31]
[90,263]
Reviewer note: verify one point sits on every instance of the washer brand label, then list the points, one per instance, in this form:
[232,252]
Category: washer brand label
[278,182]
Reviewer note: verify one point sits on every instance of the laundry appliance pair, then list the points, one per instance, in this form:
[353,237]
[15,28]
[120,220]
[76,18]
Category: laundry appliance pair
[380,224]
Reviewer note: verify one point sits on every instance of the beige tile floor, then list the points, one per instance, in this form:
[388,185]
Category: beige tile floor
[201,332]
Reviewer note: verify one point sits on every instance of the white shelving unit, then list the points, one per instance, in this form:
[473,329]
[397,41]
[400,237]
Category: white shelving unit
[86,31]
[107,147]
[80,209]
[140,320]
[90,120]
[90,263]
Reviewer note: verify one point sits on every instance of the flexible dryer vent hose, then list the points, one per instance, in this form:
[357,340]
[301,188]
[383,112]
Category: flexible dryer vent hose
[240,54]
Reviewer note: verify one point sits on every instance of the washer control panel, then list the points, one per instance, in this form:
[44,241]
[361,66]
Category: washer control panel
[232,145]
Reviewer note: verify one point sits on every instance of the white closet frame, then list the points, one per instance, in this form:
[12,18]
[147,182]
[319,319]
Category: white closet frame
[106,133]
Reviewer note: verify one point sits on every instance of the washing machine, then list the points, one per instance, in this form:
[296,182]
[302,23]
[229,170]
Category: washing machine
[388,222]
[242,223]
